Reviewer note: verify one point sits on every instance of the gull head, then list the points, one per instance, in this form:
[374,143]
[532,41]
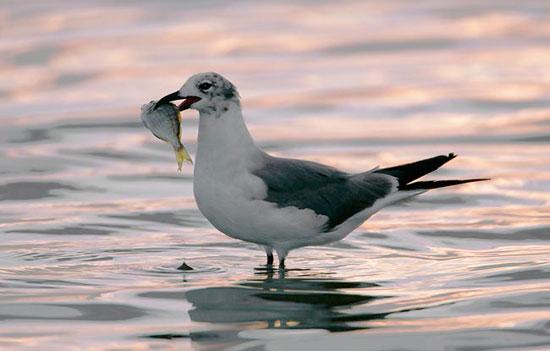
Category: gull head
[207,92]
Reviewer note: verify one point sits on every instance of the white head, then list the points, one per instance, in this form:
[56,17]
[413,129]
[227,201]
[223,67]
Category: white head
[209,93]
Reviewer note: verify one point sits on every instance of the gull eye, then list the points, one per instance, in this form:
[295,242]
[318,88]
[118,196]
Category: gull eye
[205,86]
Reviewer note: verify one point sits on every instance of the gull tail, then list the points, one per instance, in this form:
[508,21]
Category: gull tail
[409,172]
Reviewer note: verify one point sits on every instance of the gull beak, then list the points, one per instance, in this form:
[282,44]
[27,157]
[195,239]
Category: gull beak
[170,97]
[184,105]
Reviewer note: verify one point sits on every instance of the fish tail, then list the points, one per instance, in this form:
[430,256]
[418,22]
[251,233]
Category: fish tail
[182,156]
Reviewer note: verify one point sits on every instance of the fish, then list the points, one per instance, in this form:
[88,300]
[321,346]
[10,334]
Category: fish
[164,122]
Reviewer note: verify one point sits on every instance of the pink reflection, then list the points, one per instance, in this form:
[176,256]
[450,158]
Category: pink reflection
[352,84]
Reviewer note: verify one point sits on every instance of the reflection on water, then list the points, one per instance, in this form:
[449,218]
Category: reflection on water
[94,219]
[280,303]
[274,302]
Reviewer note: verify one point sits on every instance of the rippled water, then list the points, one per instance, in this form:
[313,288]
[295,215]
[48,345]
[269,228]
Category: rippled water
[94,218]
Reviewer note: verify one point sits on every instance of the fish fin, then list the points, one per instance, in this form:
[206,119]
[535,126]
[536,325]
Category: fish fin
[166,141]
[179,125]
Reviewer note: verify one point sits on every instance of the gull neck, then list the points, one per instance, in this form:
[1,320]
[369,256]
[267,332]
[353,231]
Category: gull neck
[224,139]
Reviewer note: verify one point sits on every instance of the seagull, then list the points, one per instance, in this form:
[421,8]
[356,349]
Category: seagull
[280,203]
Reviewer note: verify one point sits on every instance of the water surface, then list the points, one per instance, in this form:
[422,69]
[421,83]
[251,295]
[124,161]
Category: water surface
[94,218]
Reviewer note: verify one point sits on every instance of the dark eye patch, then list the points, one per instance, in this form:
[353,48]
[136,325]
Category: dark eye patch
[205,86]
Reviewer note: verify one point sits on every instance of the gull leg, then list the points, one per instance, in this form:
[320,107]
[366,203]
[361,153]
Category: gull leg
[269,253]
[282,255]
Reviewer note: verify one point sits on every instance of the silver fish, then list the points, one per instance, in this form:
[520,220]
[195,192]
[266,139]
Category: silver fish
[165,123]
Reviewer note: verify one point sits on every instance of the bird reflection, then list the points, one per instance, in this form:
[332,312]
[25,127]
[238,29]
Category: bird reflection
[283,302]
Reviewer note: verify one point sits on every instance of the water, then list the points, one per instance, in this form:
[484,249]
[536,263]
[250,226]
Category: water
[94,218]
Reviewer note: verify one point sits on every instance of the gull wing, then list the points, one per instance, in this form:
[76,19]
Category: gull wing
[323,189]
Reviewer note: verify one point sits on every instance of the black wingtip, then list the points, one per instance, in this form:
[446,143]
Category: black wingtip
[434,184]
[406,173]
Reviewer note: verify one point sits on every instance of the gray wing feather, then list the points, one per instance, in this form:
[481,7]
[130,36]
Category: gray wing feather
[323,189]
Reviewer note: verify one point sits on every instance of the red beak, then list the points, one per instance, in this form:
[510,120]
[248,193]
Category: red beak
[189,100]
[184,105]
